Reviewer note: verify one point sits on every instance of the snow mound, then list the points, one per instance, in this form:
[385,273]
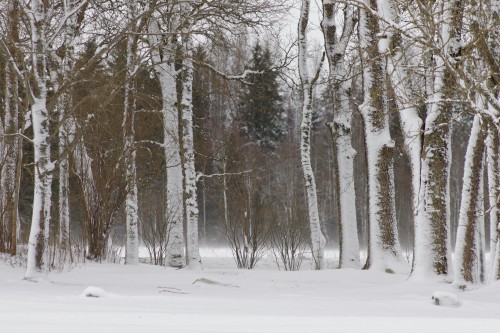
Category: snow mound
[95,292]
[442,298]
[213,283]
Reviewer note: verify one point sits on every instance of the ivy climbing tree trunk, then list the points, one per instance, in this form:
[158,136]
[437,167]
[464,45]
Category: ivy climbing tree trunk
[432,257]
[383,245]
[469,267]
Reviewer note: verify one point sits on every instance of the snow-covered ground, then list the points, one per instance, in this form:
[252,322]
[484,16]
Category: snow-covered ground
[145,298]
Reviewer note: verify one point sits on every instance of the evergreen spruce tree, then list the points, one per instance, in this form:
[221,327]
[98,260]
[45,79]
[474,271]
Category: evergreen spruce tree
[261,112]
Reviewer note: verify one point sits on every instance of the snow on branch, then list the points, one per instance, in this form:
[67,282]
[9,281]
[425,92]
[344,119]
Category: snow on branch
[17,134]
[200,175]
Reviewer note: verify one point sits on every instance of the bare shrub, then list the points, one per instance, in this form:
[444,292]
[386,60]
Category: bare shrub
[247,224]
[290,231]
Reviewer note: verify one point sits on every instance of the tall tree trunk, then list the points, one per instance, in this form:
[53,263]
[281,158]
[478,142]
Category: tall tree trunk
[432,257]
[164,64]
[383,245]
[340,129]
[411,123]
[493,169]
[131,200]
[468,265]
[9,161]
[191,205]
[318,240]
[37,261]
[63,107]
[11,152]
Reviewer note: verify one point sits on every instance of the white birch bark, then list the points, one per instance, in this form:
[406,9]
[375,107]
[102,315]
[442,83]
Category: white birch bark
[493,155]
[468,245]
[63,106]
[131,200]
[10,145]
[83,167]
[341,131]
[318,240]
[37,259]
[493,172]
[3,179]
[384,251]
[9,161]
[191,205]
[163,55]
[432,257]
[411,123]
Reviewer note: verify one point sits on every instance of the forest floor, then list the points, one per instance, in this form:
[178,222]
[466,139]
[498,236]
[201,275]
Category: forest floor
[221,298]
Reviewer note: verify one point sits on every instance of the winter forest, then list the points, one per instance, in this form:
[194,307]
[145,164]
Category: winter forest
[357,136]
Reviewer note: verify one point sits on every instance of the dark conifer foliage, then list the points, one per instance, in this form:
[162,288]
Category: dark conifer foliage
[260,109]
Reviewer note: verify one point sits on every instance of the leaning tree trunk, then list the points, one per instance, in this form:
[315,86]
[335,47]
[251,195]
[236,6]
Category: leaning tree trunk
[191,205]
[383,244]
[163,55]
[468,263]
[340,129]
[318,240]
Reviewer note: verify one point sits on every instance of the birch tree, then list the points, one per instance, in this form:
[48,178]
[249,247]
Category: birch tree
[193,259]
[469,264]
[62,69]
[432,228]
[383,248]
[307,81]
[397,66]
[493,174]
[39,18]
[163,57]
[11,141]
[340,128]
[131,200]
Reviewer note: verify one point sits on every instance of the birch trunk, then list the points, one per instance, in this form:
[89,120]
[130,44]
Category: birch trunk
[432,257]
[3,179]
[493,156]
[131,200]
[37,260]
[193,259]
[164,65]
[318,241]
[10,153]
[9,169]
[341,132]
[493,173]
[383,245]
[64,105]
[97,222]
[468,246]
[411,123]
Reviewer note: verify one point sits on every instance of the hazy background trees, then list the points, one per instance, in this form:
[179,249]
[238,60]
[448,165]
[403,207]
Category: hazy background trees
[205,98]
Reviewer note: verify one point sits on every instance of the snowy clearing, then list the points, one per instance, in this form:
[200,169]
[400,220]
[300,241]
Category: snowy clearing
[221,298]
